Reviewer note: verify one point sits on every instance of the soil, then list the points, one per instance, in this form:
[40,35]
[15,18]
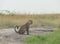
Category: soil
[9,36]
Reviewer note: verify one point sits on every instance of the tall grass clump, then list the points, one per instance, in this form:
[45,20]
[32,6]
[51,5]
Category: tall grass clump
[38,20]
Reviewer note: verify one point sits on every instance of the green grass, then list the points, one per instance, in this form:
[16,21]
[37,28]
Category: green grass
[46,39]
[35,40]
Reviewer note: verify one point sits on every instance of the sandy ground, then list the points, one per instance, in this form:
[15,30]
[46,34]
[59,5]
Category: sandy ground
[8,36]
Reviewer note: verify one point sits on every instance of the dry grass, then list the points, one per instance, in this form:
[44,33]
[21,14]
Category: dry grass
[38,20]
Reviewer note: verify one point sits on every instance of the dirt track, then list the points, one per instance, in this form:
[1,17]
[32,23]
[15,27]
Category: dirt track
[8,36]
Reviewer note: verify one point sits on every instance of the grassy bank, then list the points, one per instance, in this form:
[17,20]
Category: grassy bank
[47,39]
[7,21]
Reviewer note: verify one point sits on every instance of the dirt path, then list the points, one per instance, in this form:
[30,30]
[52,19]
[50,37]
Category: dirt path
[8,36]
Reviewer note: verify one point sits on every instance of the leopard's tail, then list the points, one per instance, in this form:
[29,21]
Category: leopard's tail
[17,28]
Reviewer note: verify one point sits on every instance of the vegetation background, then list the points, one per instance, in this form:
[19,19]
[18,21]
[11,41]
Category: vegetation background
[39,20]
[52,20]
